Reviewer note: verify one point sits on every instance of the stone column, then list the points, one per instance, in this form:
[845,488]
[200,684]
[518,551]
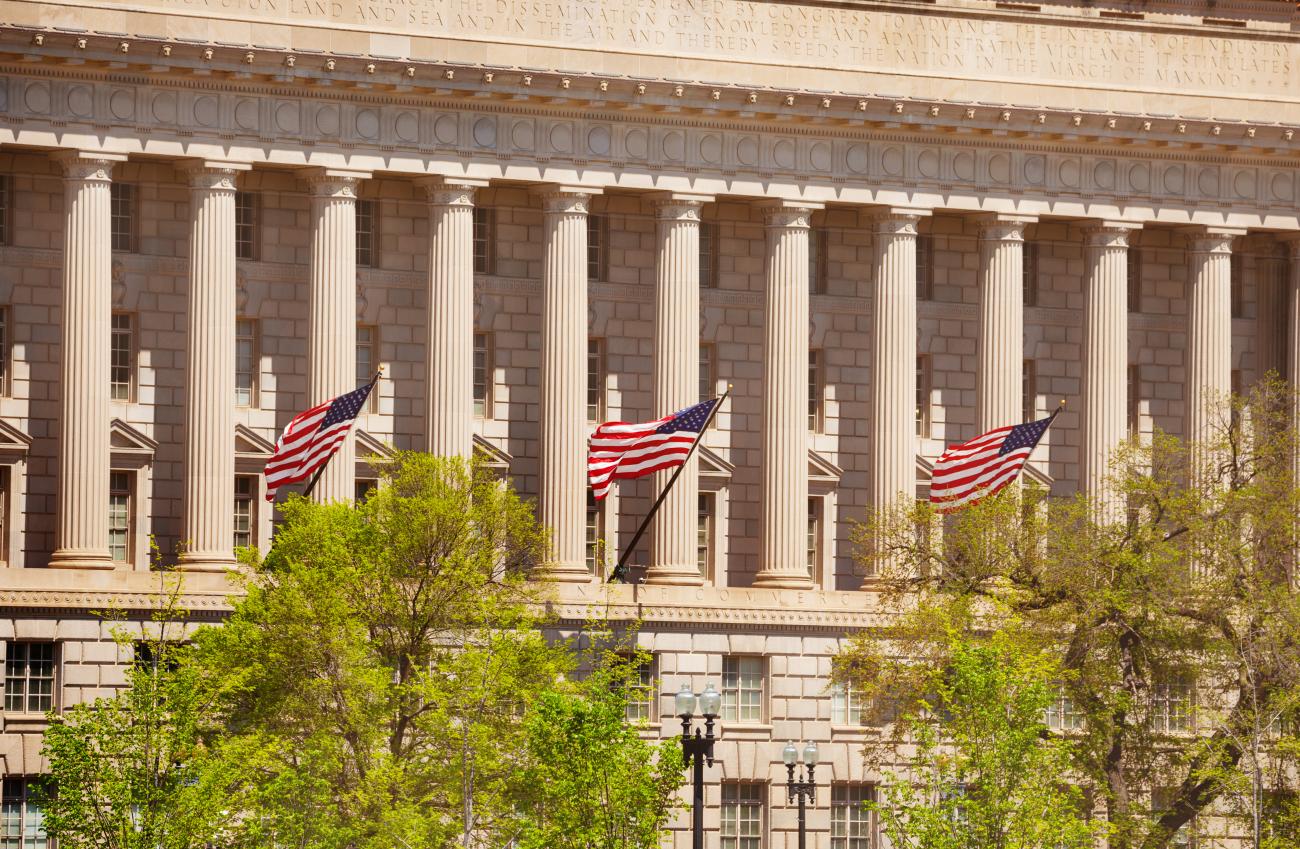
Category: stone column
[1209,331]
[676,380]
[563,490]
[208,534]
[332,312]
[1002,322]
[892,481]
[84,458]
[1292,355]
[1105,357]
[449,354]
[784,459]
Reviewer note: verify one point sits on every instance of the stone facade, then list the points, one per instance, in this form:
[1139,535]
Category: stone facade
[914,220]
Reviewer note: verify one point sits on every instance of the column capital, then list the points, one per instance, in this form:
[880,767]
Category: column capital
[1003,227]
[211,174]
[1212,240]
[678,206]
[561,199]
[334,182]
[451,191]
[895,220]
[793,214]
[88,165]
[1105,233]
[1292,242]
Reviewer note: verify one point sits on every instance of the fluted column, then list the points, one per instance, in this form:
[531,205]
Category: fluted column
[332,312]
[1209,330]
[209,529]
[1293,336]
[1002,322]
[784,459]
[892,481]
[82,540]
[562,494]
[449,354]
[1105,357]
[676,380]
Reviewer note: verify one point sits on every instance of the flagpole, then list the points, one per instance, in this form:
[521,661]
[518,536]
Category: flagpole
[311,484]
[617,573]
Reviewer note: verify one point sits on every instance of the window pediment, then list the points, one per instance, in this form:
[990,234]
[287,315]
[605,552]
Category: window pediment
[129,441]
[13,441]
[496,458]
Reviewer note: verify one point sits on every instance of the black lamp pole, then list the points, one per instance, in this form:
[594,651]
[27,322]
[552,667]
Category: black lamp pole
[805,789]
[697,749]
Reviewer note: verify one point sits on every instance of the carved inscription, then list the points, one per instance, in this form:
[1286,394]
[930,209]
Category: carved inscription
[782,33]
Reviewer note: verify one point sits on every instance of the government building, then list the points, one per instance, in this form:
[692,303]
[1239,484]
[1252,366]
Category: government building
[886,225]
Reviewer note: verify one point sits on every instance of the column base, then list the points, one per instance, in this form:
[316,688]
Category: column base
[75,559]
[675,576]
[770,579]
[564,573]
[200,562]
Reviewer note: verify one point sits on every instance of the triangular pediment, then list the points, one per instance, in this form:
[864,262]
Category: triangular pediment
[823,470]
[13,440]
[250,443]
[712,465]
[369,445]
[1038,477]
[125,439]
[924,468]
[495,457]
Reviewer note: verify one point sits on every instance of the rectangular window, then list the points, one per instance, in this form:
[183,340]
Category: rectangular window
[4,351]
[246,219]
[742,815]
[122,216]
[1029,391]
[595,380]
[1061,714]
[1237,272]
[814,534]
[363,489]
[1029,273]
[850,818]
[367,229]
[1172,704]
[641,701]
[597,248]
[923,396]
[6,209]
[119,516]
[594,535]
[708,377]
[815,391]
[485,240]
[22,822]
[924,267]
[846,705]
[708,254]
[1162,799]
[704,533]
[1134,261]
[246,362]
[1134,398]
[121,361]
[245,511]
[482,375]
[742,688]
[29,677]
[367,360]
[817,242]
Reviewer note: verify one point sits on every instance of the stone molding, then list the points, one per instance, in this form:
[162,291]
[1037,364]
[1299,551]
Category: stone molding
[335,183]
[451,191]
[786,214]
[565,200]
[212,176]
[1108,234]
[1212,242]
[87,166]
[1004,228]
[896,222]
[674,206]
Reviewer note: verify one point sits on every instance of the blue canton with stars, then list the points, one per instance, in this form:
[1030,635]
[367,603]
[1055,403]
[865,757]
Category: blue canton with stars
[692,418]
[346,407]
[1024,436]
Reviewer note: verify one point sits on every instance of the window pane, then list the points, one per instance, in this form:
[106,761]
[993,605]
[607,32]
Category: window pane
[597,250]
[704,532]
[485,220]
[923,396]
[1029,391]
[366,233]
[850,819]
[814,533]
[6,208]
[4,345]
[1134,398]
[119,516]
[815,391]
[246,225]
[742,688]
[1237,274]
[817,240]
[1029,274]
[846,705]
[482,375]
[640,704]
[245,362]
[595,380]
[120,358]
[29,677]
[1134,260]
[594,532]
[22,824]
[708,254]
[742,815]
[924,267]
[244,494]
[122,216]
[707,381]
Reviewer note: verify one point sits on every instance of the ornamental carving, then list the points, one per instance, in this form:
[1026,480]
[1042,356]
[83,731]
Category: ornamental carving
[1003,231]
[334,186]
[209,178]
[1211,243]
[789,216]
[1107,236]
[87,168]
[565,201]
[896,224]
[678,210]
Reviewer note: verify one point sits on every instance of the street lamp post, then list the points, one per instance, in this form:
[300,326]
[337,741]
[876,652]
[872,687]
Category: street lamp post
[697,749]
[805,789]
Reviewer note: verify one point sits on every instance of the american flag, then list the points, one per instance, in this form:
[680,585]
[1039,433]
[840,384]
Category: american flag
[622,451]
[312,438]
[974,470]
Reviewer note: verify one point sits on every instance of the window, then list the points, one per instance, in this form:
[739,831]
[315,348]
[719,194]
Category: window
[122,216]
[704,532]
[814,534]
[1162,799]
[597,248]
[742,815]
[22,823]
[1237,272]
[4,351]
[1061,714]
[924,267]
[367,358]
[119,516]
[815,391]
[6,209]
[367,219]
[121,360]
[846,705]
[1029,273]
[245,511]
[485,240]
[363,489]
[708,379]
[817,241]
[246,365]
[246,218]
[29,677]
[1134,398]
[850,819]
[1172,704]
[1029,391]
[594,534]
[709,254]
[923,396]
[595,380]
[1134,261]
[641,701]
[742,688]
[482,375]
